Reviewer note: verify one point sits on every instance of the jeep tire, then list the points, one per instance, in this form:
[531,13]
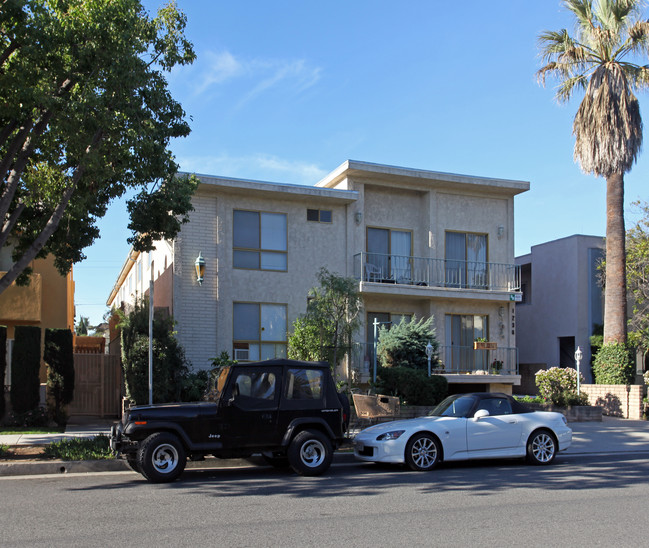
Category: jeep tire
[310,453]
[161,458]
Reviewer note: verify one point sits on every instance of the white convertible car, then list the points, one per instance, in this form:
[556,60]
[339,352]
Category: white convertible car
[467,426]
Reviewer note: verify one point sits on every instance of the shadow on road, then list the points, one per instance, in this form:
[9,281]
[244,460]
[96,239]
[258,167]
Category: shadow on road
[352,479]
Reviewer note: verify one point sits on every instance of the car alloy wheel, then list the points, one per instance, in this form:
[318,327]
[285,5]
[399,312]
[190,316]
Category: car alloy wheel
[541,448]
[422,452]
[161,458]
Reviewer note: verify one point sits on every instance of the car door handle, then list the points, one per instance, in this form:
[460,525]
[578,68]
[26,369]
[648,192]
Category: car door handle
[512,422]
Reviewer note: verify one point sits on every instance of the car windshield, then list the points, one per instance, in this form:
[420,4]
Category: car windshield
[219,385]
[454,406]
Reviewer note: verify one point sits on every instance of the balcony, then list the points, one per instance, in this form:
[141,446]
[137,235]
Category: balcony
[437,273]
[482,365]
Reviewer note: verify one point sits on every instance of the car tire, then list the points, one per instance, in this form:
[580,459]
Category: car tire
[310,453]
[541,447]
[161,458]
[423,452]
[131,460]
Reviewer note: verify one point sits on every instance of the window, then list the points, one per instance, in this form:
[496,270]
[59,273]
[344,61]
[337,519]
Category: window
[318,215]
[259,331]
[304,384]
[461,331]
[466,260]
[389,254]
[259,240]
[496,406]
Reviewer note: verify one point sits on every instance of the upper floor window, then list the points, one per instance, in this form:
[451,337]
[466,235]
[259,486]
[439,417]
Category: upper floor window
[259,240]
[318,215]
[466,260]
[389,255]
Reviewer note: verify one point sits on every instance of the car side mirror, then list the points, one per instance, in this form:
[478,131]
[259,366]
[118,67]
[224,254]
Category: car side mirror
[480,414]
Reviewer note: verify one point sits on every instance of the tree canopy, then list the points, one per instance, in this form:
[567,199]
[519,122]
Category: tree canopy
[605,58]
[85,116]
[332,316]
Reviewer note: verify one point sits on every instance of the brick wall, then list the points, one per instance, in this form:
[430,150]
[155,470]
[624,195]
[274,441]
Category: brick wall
[617,400]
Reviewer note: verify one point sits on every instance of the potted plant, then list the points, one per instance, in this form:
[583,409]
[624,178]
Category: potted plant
[496,367]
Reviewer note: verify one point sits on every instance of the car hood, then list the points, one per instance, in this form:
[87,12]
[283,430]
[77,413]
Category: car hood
[400,425]
[163,411]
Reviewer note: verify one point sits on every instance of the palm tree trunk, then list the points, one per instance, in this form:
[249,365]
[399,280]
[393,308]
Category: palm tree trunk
[615,312]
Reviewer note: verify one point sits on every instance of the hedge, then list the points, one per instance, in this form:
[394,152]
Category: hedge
[25,365]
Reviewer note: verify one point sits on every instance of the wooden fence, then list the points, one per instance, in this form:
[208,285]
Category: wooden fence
[97,385]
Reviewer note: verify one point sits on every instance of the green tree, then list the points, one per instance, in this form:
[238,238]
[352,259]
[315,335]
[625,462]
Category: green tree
[332,317]
[85,116]
[25,365]
[600,59]
[404,344]
[170,366]
[637,272]
[84,325]
[59,357]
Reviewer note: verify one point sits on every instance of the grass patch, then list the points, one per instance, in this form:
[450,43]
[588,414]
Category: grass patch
[32,429]
[4,449]
[80,449]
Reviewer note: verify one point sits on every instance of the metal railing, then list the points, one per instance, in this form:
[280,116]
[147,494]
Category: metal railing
[422,271]
[450,359]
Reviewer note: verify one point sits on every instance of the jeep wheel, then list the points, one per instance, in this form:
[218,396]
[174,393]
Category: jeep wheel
[161,458]
[310,453]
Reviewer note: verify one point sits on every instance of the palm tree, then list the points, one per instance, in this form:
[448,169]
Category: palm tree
[609,35]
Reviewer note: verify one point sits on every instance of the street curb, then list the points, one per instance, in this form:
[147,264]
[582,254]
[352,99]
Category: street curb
[60,467]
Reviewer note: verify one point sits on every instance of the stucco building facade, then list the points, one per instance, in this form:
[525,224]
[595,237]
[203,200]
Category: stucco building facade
[420,243]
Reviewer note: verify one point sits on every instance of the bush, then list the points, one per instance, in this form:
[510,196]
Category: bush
[33,418]
[80,449]
[169,362]
[404,344]
[614,364]
[559,386]
[59,357]
[3,367]
[25,365]
[414,387]
[193,386]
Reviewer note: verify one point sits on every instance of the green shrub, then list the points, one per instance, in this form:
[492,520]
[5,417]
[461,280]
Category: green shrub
[558,385]
[529,399]
[414,387]
[25,365]
[4,449]
[194,386]
[404,344]
[33,418]
[3,367]
[80,449]
[614,364]
[59,357]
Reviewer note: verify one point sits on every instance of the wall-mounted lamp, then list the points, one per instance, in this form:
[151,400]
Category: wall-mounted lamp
[358,217]
[199,264]
[501,231]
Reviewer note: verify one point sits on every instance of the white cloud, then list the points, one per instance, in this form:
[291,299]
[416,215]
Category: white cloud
[255,76]
[263,167]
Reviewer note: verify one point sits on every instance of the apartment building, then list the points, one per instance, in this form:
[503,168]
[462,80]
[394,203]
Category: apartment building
[420,243]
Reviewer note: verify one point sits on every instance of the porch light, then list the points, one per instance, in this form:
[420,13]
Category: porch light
[578,356]
[429,355]
[199,264]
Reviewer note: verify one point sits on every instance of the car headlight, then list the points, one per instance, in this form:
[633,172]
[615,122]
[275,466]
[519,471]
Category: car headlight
[386,436]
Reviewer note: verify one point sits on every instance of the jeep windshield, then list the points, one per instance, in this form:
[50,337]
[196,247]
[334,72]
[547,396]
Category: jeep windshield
[219,384]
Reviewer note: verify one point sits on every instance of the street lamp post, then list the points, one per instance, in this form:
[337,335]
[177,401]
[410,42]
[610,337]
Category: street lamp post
[429,355]
[578,356]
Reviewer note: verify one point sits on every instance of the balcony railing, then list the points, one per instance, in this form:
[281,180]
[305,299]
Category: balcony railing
[450,359]
[448,273]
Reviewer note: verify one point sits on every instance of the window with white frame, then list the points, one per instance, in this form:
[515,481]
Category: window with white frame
[259,240]
[259,331]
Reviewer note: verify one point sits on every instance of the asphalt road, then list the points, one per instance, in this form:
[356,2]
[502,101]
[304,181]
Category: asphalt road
[579,501]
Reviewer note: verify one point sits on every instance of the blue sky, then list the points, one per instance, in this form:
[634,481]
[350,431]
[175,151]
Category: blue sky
[288,90]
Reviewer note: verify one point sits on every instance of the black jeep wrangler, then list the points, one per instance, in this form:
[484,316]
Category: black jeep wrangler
[286,410]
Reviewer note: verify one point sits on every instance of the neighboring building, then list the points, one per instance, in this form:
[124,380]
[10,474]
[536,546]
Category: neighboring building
[419,242]
[562,304]
[47,302]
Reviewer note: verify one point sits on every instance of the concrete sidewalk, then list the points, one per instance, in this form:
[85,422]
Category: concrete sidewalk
[611,436]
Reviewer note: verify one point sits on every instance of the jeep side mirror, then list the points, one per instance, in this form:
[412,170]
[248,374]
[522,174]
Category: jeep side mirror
[480,414]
